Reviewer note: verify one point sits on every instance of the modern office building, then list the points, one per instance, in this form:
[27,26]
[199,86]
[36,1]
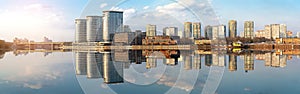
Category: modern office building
[112,22]
[150,30]
[197,30]
[170,31]
[232,28]
[94,28]
[249,29]
[80,35]
[268,32]
[188,29]
[275,29]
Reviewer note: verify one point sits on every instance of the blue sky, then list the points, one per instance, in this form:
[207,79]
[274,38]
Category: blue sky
[60,14]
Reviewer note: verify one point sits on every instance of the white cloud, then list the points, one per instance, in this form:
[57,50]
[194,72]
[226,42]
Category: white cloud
[103,5]
[127,12]
[146,7]
[190,10]
[33,86]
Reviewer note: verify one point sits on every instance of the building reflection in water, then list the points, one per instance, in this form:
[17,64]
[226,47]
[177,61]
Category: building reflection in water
[232,63]
[99,65]
[248,62]
[112,71]
[110,65]
[81,65]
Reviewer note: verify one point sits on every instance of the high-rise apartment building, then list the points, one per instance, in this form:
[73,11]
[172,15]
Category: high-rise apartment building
[170,31]
[197,30]
[232,28]
[188,28]
[150,30]
[208,32]
[275,29]
[249,29]
[268,32]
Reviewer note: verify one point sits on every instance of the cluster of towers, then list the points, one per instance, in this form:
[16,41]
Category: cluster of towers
[98,28]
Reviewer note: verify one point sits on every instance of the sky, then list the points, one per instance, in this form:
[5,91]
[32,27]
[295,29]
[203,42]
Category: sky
[35,19]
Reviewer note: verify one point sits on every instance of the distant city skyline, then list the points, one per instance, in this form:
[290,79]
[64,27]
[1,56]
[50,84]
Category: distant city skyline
[55,19]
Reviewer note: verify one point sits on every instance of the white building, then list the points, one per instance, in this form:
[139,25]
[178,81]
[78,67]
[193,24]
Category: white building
[150,30]
[94,28]
[80,30]
[170,31]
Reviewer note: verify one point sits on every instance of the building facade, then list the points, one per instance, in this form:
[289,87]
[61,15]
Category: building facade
[249,29]
[208,32]
[232,28]
[260,33]
[268,32]
[150,30]
[197,30]
[80,30]
[283,31]
[188,28]
[170,31]
[112,22]
[94,28]
[275,29]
